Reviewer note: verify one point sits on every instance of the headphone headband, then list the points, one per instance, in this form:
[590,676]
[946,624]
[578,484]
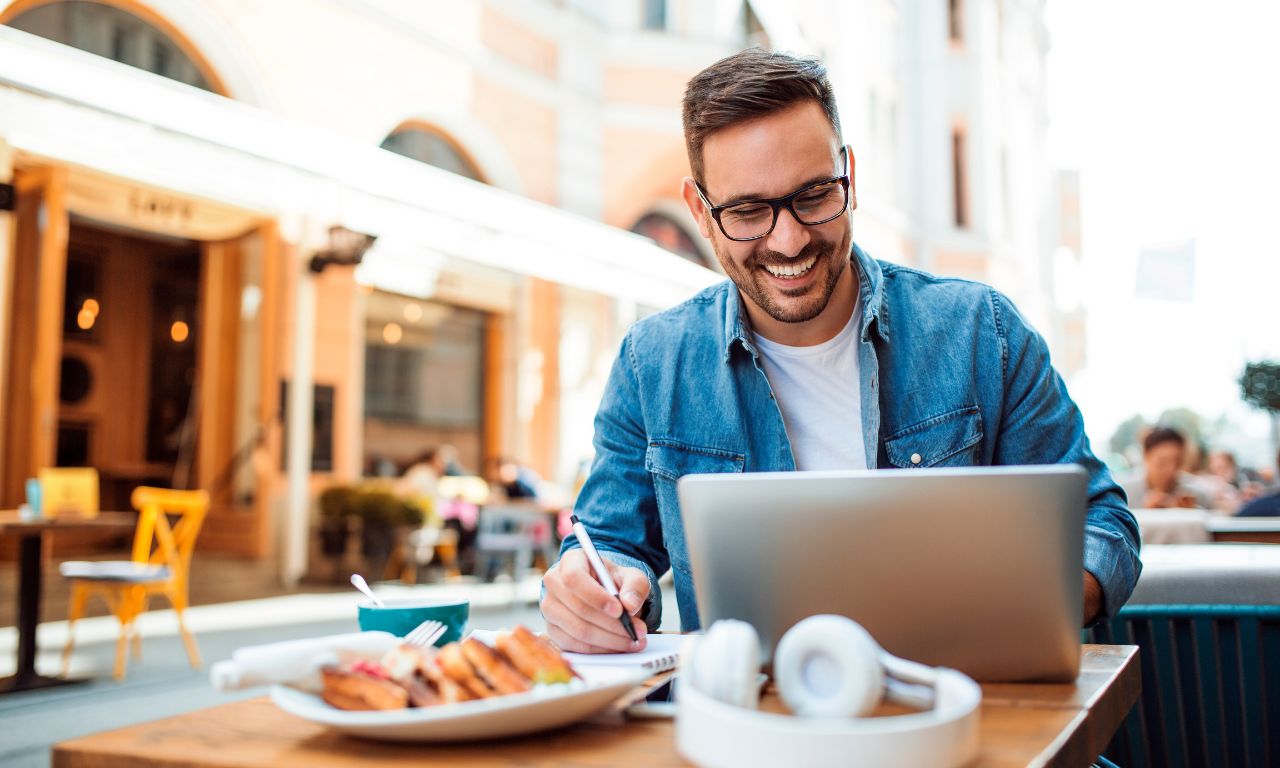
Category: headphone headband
[828,671]
[712,733]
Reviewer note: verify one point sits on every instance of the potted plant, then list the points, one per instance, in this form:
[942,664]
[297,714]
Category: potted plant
[337,506]
[379,512]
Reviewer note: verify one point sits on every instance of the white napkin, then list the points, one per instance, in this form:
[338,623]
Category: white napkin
[297,662]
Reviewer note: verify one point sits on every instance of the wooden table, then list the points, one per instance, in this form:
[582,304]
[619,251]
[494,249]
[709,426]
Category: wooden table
[30,572]
[1022,725]
[1255,530]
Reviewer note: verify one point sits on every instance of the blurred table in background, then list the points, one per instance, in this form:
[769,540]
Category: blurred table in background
[1173,526]
[31,535]
[1255,530]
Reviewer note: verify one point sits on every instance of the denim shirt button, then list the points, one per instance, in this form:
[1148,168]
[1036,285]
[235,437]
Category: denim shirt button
[915,458]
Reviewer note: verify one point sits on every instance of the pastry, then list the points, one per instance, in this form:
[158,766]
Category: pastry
[359,689]
[536,658]
[457,668]
[493,667]
[409,676]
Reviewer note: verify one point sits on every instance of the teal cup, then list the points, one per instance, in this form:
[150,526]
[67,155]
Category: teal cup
[399,617]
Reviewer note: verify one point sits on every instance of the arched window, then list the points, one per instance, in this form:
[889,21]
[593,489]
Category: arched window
[427,145]
[116,33]
[664,231]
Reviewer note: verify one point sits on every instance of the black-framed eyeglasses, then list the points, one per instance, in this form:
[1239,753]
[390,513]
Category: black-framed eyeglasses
[815,204]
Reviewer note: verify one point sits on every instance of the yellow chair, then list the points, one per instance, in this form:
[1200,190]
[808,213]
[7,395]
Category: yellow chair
[160,565]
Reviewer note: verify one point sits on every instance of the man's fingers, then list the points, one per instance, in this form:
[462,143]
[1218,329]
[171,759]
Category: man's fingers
[582,583]
[581,613]
[567,643]
[633,587]
[589,611]
[572,632]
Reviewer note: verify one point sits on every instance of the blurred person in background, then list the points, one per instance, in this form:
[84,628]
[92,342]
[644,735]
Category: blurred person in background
[515,480]
[1160,483]
[421,475]
[1222,465]
[1266,505]
[1231,485]
[447,462]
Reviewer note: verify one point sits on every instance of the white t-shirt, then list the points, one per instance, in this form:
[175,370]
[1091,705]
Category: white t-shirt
[820,397]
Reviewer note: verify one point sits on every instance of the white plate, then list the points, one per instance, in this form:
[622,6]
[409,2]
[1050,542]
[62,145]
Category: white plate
[539,709]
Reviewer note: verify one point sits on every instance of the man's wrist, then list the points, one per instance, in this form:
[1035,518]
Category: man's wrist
[1092,599]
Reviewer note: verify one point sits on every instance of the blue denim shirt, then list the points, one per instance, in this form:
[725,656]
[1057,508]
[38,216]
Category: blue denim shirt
[948,369]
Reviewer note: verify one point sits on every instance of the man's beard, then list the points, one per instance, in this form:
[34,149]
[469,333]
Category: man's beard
[755,285]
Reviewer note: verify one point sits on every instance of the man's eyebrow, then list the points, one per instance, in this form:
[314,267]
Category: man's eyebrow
[750,196]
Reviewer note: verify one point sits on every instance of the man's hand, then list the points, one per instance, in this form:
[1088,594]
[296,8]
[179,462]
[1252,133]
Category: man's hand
[1092,598]
[581,614]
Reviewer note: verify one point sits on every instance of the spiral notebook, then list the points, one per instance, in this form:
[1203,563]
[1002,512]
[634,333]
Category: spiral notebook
[662,652]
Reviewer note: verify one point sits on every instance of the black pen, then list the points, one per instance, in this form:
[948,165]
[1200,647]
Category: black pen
[602,573]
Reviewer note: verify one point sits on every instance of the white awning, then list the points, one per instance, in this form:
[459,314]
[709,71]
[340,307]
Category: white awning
[70,106]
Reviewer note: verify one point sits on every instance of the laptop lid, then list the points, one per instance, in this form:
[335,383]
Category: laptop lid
[977,568]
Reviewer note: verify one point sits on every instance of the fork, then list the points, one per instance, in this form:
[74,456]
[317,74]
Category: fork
[426,634]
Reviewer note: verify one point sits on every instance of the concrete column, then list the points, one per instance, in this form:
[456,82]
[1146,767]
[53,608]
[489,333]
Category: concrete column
[296,522]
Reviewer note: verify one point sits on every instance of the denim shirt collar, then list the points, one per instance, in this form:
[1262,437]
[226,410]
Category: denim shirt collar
[870,284]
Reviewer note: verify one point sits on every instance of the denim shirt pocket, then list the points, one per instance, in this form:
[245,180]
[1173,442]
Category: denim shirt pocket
[668,461]
[947,439]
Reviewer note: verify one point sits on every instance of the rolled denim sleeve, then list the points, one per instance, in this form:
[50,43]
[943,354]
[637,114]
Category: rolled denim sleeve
[617,504]
[1041,424]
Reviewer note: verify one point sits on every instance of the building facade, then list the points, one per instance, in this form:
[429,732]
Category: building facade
[178,165]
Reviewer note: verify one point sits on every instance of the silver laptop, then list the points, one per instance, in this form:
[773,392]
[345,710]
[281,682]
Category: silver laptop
[977,569]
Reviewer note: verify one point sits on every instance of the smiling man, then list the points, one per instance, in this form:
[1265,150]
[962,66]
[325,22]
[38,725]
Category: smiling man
[811,356]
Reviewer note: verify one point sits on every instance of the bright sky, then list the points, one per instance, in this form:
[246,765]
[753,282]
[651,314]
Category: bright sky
[1169,110]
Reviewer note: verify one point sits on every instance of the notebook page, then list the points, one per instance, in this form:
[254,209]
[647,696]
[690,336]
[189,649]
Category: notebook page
[661,652]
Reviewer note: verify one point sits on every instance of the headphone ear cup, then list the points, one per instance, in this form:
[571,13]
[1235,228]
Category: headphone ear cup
[726,664]
[829,666]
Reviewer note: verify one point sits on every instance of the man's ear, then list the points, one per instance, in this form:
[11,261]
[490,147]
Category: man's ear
[697,209]
[853,187]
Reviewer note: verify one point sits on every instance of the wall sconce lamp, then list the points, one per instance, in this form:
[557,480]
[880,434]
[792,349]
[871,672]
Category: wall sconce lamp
[346,249]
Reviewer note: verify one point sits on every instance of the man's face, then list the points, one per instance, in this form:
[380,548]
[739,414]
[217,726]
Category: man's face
[791,273]
[1162,463]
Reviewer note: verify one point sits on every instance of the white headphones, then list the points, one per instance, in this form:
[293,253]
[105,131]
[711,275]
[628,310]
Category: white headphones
[829,672]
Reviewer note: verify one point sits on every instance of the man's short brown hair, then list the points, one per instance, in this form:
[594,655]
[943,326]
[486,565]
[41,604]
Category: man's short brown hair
[746,85]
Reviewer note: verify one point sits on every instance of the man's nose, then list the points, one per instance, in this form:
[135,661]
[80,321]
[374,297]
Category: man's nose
[789,236]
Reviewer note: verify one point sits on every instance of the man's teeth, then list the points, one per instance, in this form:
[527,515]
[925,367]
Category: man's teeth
[791,270]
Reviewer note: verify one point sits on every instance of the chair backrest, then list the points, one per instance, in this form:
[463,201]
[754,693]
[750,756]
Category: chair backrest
[511,526]
[71,491]
[1209,574]
[1210,685]
[155,542]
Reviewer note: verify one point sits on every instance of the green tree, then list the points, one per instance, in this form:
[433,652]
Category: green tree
[1185,420]
[1126,435]
[1260,388]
